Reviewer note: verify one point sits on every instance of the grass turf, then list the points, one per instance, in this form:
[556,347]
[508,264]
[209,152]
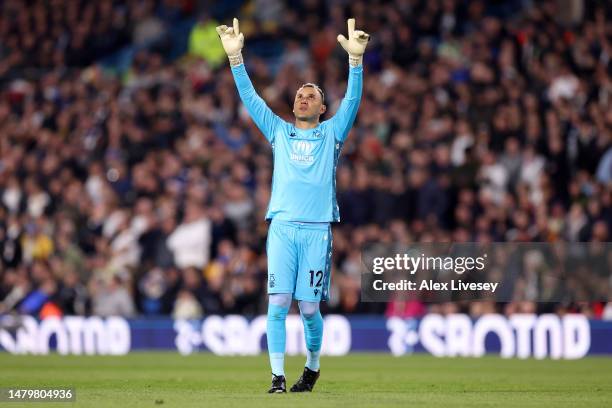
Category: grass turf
[357,380]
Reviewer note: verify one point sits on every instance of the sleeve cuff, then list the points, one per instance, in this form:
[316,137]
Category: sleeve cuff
[236,60]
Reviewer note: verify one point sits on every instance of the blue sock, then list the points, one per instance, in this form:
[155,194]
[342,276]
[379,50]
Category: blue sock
[313,332]
[276,337]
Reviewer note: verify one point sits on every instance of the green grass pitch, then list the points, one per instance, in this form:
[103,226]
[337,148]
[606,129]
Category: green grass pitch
[357,380]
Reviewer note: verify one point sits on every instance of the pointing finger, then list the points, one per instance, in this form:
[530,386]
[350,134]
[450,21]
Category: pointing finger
[236,26]
[351,26]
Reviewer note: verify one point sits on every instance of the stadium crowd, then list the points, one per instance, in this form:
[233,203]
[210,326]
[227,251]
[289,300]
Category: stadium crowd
[144,192]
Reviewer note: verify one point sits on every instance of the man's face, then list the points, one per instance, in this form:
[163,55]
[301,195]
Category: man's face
[308,104]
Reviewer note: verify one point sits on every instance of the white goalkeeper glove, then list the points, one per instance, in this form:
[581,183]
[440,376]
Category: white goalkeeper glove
[356,43]
[233,41]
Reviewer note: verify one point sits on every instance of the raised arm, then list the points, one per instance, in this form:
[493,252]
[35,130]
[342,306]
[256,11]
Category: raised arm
[233,41]
[355,46]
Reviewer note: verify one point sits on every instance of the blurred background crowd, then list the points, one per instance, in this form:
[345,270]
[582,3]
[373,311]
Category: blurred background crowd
[132,181]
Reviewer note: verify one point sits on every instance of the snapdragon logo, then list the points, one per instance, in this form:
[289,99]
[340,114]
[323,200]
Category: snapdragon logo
[520,335]
[236,335]
[67,335]
[302,151]
[412,264]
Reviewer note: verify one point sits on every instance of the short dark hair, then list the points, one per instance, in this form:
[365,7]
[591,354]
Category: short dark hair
[315,86]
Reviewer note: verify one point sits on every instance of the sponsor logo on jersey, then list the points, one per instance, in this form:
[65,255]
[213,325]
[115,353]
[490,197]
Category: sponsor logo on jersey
[302,151]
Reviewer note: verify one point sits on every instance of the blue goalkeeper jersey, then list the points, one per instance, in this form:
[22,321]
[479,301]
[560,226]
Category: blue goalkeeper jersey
[304,175]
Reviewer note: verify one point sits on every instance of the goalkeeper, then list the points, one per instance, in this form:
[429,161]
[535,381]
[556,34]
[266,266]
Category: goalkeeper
[303,201]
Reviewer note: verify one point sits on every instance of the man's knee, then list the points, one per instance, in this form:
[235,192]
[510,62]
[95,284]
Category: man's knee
[308,309]
[278,306]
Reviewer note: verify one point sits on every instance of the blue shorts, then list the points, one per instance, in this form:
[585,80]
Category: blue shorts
[299,259]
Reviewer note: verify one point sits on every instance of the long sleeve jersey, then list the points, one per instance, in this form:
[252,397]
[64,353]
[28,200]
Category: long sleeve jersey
[305,160]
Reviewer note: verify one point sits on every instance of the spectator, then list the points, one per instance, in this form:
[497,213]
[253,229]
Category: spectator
[204,42]
[190,242]
[111,298]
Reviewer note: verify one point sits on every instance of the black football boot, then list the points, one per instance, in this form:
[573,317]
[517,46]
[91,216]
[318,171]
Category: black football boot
[279,384]
[307,381]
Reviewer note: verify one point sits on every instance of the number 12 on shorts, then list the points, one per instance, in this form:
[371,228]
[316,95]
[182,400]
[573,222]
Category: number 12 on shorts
[316,275]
